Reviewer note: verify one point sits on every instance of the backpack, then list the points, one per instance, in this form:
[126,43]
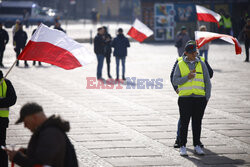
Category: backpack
[70,159]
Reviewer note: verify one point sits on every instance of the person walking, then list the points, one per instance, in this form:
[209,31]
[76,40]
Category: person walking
[20,39]
[7,99]
[34,62]
[204,49]
[49,143]
[246,33]
[210,71]
[181,39]
[99,44]
[14,30]
[194,86]
[4,39]
[107,49]
[120,45]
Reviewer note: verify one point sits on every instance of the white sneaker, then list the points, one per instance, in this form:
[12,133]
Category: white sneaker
[183,151]
[198,150]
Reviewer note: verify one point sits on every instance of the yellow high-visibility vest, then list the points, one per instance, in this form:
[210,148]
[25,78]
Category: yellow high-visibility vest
[227,22]
[4,112]
[194,86]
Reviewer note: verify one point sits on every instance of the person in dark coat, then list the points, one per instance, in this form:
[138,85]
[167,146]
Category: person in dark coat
[120,44]
[107,49]
[34,62]
[99,45]
[48,142]
[20,39]
[246,32]
[181,39]
[7,99]
[4,39]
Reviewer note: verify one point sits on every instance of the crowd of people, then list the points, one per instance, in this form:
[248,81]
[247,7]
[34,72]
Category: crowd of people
[103,45]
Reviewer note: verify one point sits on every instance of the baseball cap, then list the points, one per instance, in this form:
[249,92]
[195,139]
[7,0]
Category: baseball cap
[190,46]
[29,109]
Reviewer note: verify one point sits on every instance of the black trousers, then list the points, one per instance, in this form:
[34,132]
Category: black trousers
[108,63]
[3,155]
[1,57]
[191,107]
[247,43]
[18,51]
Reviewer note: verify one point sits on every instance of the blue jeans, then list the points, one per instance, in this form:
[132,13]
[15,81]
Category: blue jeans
[117,66]
[205,52]
[100,59]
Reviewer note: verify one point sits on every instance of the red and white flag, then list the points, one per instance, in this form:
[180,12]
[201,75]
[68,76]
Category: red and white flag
[203,37]
[55,47]
[139,31]
[207,15]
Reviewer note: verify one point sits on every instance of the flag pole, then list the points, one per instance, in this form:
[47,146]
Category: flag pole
[11,68]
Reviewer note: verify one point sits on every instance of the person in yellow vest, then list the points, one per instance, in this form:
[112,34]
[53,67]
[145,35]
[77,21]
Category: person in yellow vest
[7,99]
[192,78]
[227,24]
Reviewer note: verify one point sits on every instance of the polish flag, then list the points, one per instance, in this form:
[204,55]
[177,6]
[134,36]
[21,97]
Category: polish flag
[203,37]
[55,47]
[139,31]
[204,14]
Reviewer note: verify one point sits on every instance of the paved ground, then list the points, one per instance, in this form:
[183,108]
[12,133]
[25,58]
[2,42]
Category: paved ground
[137,127]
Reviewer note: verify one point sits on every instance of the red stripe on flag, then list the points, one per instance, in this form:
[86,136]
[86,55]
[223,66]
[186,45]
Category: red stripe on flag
[207,18]
[49,53]
[203,40]
[137,35]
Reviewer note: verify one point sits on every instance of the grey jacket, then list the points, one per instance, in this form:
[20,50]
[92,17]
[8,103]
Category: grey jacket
[178,80]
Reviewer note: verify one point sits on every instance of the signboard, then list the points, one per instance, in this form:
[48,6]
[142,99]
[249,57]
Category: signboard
[185,12]
[164,21]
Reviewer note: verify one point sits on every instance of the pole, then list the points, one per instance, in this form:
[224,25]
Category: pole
[8,71]
[10,68]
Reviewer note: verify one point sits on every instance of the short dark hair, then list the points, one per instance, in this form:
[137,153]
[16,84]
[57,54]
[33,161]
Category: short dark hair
[120,30]
[98,29]
[29,109]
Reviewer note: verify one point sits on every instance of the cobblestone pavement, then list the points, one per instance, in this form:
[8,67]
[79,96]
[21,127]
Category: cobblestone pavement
[137,127]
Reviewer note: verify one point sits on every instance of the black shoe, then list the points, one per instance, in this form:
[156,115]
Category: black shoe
[246,61]
[26,65]
[201,145]
[123,78]
[177,144]
[110,76]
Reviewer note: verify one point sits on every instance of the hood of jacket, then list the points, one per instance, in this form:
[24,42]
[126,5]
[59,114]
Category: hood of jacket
[185,58]
[54,121]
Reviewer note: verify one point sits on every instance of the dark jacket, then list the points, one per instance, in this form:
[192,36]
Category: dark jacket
[8,101]
[107,48]
[47,145]
[120,44]
[60,29]
[4,39]
[210,71]
[20,38]
[99,44]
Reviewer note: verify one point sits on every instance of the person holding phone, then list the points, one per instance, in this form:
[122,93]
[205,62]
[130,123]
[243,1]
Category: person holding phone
[7,99]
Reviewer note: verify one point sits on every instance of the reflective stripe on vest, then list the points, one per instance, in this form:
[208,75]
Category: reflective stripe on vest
[194,86]
[4,112]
